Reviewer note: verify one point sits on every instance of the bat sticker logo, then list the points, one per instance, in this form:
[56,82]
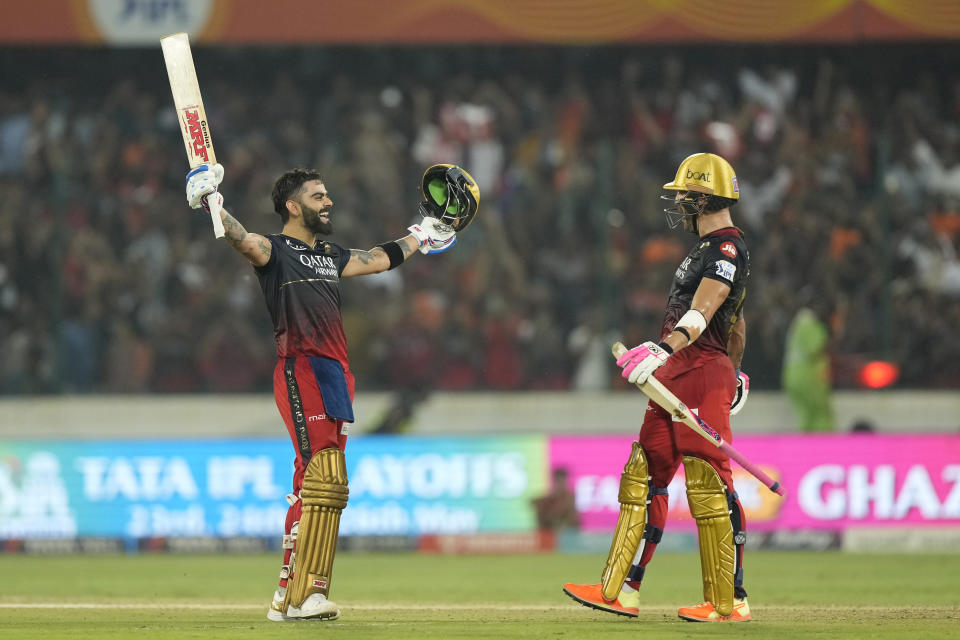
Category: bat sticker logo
[197,130]
[708,429]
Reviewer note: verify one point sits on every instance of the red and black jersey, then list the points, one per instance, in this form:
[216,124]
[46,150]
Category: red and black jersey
[301,286]
[721,255]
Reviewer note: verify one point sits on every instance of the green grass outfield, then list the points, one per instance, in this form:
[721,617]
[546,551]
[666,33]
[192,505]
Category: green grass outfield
[792,595]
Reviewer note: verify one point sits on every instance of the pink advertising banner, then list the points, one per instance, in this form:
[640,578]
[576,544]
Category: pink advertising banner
[832,481]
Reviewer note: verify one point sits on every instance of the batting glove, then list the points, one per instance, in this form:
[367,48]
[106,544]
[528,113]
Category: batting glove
[433,235]
[201,182]
[740,396]
[639,363]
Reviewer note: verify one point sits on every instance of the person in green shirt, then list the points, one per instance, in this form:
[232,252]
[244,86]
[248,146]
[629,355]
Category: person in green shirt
[806,371]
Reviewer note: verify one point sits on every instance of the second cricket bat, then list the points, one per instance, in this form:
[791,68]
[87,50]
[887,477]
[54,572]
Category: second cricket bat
[193,119]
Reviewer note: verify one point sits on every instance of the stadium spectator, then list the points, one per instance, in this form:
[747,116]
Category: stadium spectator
[557,508]
[806,371]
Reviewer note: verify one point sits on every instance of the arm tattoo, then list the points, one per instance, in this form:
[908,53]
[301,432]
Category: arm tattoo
[234,231]
[408,248]
[366,257]
[264,246]
[249,245]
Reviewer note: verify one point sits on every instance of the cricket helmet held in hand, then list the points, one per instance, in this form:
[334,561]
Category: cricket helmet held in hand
[451,195]
[708,183]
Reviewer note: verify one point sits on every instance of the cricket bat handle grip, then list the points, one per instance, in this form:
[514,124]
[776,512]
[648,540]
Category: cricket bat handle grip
[753,469]
[215,208]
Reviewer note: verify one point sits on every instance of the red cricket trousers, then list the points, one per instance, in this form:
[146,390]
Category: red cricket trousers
[706,384]
[707,388]
[300,403]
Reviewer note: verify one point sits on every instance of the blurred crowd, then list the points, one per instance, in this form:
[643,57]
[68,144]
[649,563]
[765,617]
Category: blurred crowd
[848,160]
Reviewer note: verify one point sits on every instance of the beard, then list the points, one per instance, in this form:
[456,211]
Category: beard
[312,221]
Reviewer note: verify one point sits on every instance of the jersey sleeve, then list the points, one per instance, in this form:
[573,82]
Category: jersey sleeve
[725,261]
[341,257]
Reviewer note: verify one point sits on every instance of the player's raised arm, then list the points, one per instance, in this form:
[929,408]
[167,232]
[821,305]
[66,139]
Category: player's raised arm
[202,192]
[380,258]
[430,236]
[253,246]
[450,201]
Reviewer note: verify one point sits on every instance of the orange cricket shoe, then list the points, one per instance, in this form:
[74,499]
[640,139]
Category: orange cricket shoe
[706,613]
[590,595]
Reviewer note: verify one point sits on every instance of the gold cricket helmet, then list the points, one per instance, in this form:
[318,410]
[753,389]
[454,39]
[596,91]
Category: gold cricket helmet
[702,174]
[450,195]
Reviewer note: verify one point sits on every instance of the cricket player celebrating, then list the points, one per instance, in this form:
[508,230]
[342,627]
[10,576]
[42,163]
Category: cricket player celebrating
[698,358]
[300,277]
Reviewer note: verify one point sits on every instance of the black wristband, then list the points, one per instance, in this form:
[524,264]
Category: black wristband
[684,332]
[663,345]
[394,252]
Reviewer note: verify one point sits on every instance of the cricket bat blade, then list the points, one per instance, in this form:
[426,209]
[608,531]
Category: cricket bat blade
[191,115]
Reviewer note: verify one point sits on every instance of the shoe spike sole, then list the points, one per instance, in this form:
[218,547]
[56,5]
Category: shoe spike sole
[594,605]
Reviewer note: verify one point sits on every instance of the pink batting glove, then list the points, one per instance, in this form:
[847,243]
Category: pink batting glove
[640,362]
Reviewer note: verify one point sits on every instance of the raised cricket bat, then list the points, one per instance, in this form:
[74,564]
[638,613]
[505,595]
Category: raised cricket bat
[193,119]
[656,391]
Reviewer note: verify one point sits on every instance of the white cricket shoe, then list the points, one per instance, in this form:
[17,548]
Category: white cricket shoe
[275,612]
[315,607]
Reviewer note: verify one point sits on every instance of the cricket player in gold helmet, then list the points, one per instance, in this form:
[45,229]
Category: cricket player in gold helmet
[697,356]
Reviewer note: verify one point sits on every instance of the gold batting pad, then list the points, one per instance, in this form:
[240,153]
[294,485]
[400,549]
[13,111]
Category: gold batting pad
[634,489]
[324,495]
[707,496]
